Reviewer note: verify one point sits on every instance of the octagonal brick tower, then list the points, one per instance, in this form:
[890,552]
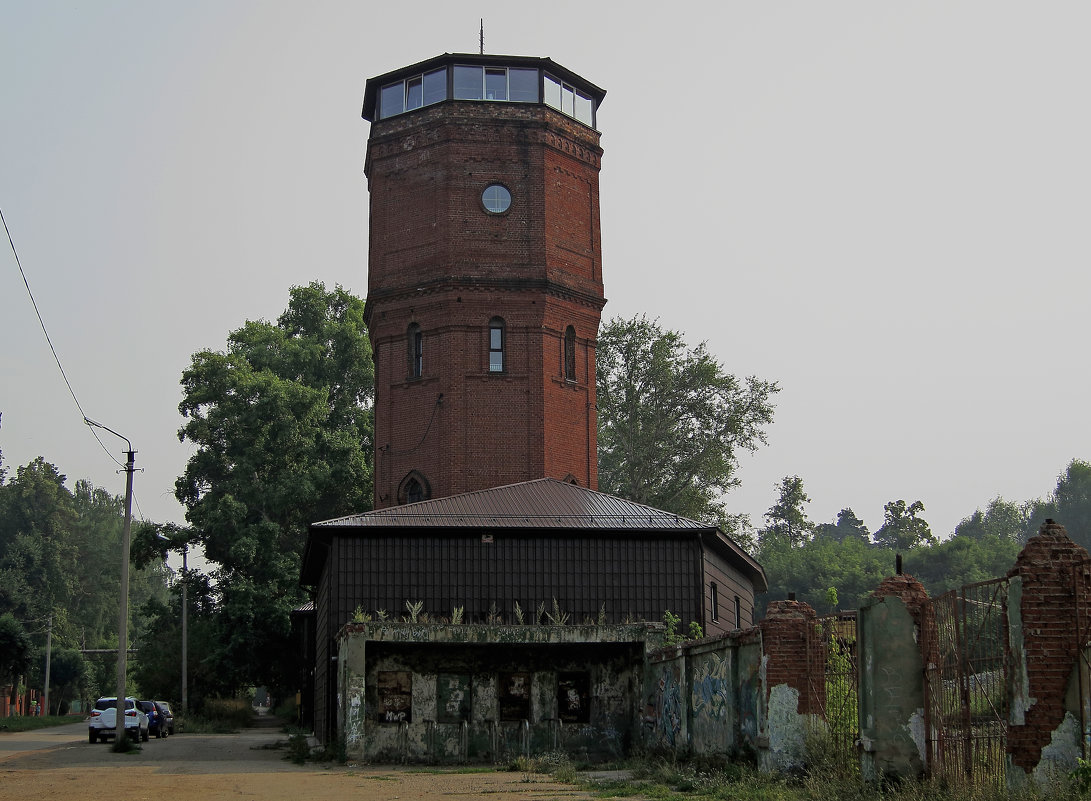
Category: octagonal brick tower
[484,275]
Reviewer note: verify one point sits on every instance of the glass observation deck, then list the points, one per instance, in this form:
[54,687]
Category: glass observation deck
[500,79]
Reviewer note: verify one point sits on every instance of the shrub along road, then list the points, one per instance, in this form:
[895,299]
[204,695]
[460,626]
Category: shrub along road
[60,762]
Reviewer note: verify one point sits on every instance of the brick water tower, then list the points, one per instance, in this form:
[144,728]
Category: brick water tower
[484,274]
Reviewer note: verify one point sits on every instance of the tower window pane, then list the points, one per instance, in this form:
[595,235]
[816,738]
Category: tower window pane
[582,110]
[496,198]
[570,353]
[523,85]
[468,83]
[416,351]
[414,93]
[435,86]
[496,84]
[552,89]
[496,345]
[393,99]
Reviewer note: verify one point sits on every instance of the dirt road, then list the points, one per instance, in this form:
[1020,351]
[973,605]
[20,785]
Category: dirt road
[61,763]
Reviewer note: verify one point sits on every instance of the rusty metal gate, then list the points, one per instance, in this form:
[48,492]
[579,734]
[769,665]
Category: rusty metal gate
[837,688]
[966,667]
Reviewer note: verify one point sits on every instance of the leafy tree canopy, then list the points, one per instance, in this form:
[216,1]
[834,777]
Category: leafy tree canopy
[1069,504]
[1001,519]
[16,649]
[672,422]
[902,529]
[787,519]
[282,425]
[848,526]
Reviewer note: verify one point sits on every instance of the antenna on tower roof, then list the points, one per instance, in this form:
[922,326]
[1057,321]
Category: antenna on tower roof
[482,36]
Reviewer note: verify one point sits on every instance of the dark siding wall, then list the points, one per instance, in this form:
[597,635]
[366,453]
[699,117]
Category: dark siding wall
[730,583]
[323,635]
[630,578]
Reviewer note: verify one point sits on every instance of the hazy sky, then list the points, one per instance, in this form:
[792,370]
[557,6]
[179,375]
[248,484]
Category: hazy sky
[882,206]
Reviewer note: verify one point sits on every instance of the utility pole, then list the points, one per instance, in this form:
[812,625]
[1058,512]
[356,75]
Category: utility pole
[123,613]
[123,605]
[48,659]
[185,635]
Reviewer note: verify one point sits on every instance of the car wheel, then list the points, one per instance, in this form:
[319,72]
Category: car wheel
[144,735]
[92,736]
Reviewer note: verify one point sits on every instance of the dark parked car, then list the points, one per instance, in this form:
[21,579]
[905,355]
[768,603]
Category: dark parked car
[167,715]
[155,719]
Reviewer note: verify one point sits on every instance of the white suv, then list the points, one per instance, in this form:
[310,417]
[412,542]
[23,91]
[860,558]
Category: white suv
[103,721]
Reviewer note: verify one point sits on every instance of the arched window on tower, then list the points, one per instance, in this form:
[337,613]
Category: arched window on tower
[415,339]
[414,487]
[570,354]
[497,345]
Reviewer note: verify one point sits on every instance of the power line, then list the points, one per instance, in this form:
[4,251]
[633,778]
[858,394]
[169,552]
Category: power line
[49,341]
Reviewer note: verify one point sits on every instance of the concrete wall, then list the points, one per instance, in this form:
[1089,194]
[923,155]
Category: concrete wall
[707,698]
[490,693]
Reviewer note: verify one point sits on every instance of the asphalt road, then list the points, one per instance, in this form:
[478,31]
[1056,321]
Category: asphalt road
[251,750]
[248,766]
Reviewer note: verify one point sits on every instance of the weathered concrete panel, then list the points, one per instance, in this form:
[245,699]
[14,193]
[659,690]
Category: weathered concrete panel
[891,691]
[713,706]
[665,714]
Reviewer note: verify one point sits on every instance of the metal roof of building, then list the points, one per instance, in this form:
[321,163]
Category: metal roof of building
[544,503]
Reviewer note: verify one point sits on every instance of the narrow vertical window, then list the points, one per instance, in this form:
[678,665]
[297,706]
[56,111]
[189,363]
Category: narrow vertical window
[496,345]
[416,351]
[738,612]
[570,353]
[714,594]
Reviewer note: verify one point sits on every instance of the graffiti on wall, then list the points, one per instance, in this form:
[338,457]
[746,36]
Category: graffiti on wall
[663,708]
[711,690]
[395,696]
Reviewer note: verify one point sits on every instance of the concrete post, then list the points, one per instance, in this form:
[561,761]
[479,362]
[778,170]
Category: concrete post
[892,724]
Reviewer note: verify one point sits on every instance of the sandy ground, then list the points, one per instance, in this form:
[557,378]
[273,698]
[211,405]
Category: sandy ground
[61,764]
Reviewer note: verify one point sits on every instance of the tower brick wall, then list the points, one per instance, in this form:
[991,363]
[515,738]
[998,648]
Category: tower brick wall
[439,261]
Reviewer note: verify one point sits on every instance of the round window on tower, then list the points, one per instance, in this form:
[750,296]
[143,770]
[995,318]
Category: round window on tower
[496,199]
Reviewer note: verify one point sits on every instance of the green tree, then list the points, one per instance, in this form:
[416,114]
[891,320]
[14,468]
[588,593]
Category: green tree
[787,519]
[961,560]
[1001,519]
[16,649]
[68,676]
[672,422]
[902,529]
[852,567]
[848,526]
[157,670]
[38,559]
[282,426]
[1069,504]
